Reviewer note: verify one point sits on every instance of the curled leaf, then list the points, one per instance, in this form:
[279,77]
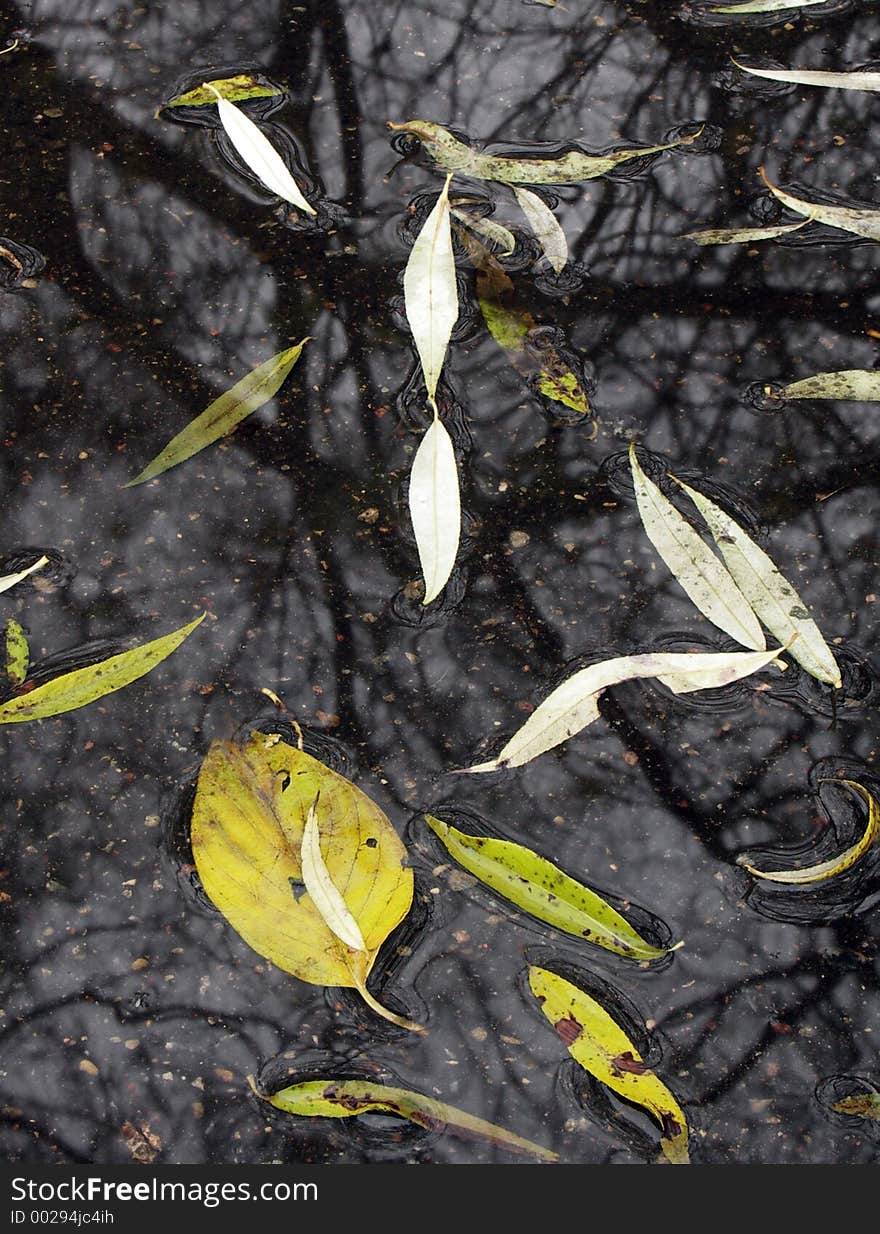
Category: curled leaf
[575,703]
[835,865]
[856,80]
[10,580]
[546,227]
[259,154]
[858,384]
[602,1048]
[456,156]
[345,1098]
[770,594]
[249,819]
[237,89]
[431,292]
[224,414]
[494,232]
[695,566]
[539,887]
[435,507]
[85,685]
[17,652]
[864,223]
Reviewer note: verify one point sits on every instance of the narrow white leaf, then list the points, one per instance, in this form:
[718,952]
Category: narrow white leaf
[817,77]
[857,384]
[770,594]
[326,897]
[741,235]
[764,6]
[694,564]
[9,580]
[435,508]
[259,154]
[575,703]
[545,225]
[430,291]
[865,223]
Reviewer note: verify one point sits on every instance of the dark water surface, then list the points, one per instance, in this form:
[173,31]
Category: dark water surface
[131,1013]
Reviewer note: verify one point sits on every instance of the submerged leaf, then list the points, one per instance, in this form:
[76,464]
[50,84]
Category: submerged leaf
[17,652]
[539,887]
[602,1048]
[435,507]
[862,1105]
[456,156]
[259,154]
[575,703]
[770,594]
[249,817]
[695,566]
[545,225]
[431,292]
[494,232]
[817,77]
[225,413]
[318,882]
[859,384]
[344,1098]
[864,223]
[235,89]
[835,865]
[742,235]
[10,580]
[85,685]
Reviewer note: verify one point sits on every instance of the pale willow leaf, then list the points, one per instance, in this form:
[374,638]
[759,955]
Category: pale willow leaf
[10,580]
[86,685]
[259,154]
[765,6]
[859,385]
[344,1098]
[695,566]
[326,896]
[864,223]
[430,290]
[545,225]
[494,232]
[435,508]
[456,156]
[575,703]
[741,235]
[770,594]
[835,865]
[225,413]
[817,77]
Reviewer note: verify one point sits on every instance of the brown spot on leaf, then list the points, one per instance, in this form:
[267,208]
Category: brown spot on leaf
[568,1029]
[629,1064]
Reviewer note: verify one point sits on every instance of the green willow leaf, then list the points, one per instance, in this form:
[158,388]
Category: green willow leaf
[17,652]
[235,89]
[86,685]
[539,887]
[345,1098]
[224,414]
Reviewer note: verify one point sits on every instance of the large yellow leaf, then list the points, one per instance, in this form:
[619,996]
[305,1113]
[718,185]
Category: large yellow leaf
[249,816]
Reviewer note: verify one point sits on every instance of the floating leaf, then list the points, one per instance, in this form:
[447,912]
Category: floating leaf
[764,6]
[431,292]
[344,1098]
[864,223]
[742,235]
[545,225]
[494,232]
[695,566]
[575,703]
[536,885]
[318,882]
[858,384]
[435,507]
[10,580]
[856,80]
[259,154]
[456,156]
[225,413]
[835,865]
[770,594]
[235,89]
[249,817]
[86,685]
[17,652]
[603,1049]
[862,1105]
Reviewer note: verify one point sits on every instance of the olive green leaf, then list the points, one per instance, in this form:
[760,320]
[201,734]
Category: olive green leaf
[237,89]
[17,652]
[602,1048]
[85,685]
[534,884]
[345,1098]
[224,414]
